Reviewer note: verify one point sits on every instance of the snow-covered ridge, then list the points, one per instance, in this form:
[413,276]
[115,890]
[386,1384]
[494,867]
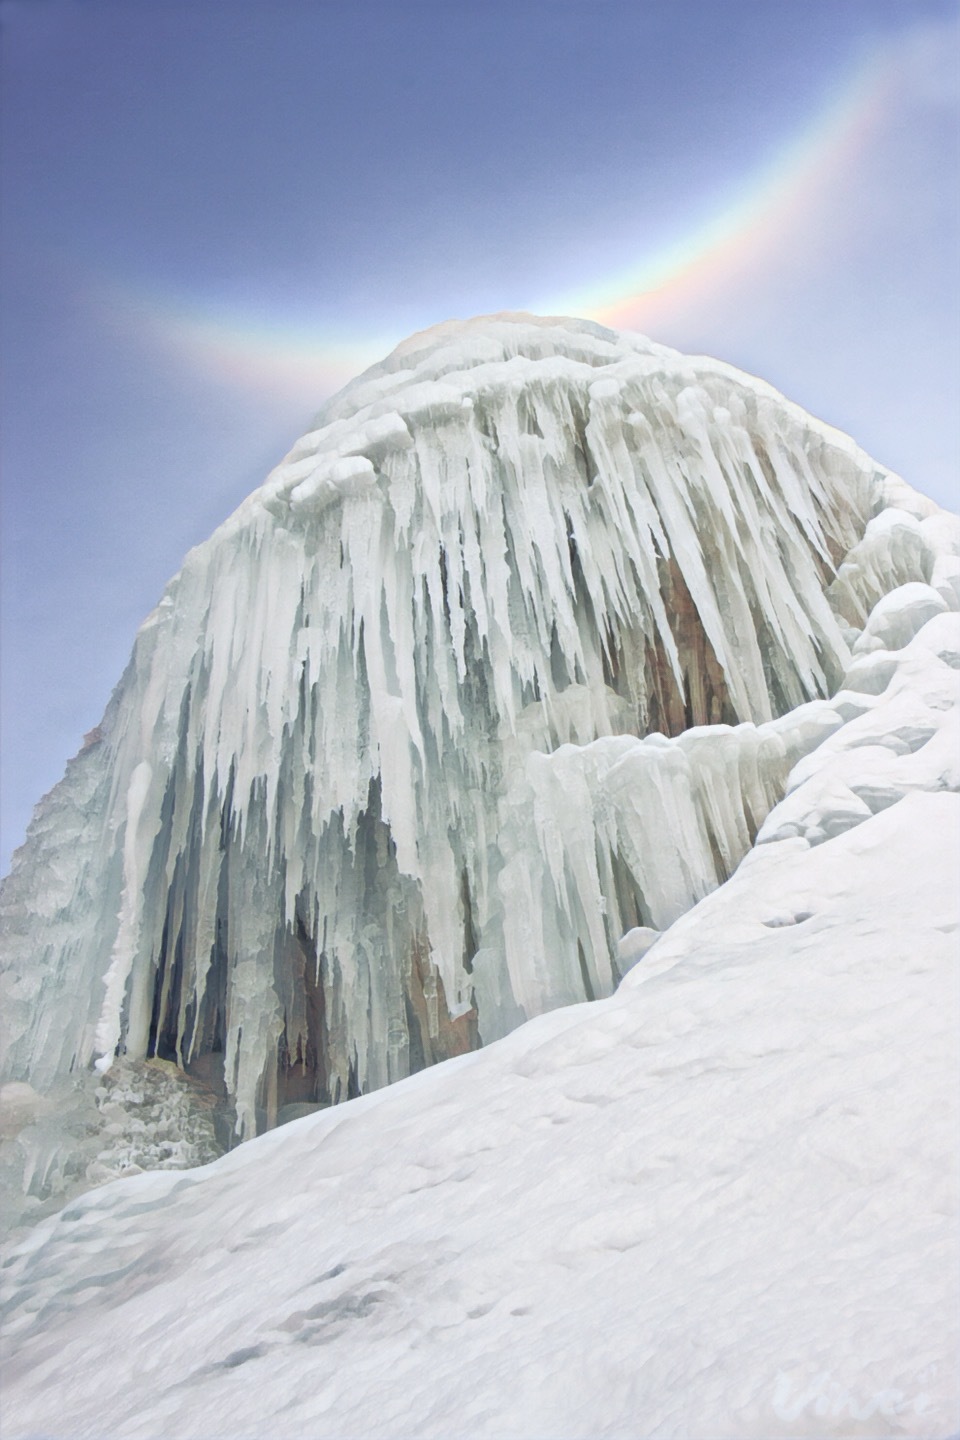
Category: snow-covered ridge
[327,832]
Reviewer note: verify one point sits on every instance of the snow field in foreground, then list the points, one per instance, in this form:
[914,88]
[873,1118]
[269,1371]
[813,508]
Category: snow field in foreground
[721,1203]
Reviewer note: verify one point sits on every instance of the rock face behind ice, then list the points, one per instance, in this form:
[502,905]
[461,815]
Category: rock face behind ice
[512,654]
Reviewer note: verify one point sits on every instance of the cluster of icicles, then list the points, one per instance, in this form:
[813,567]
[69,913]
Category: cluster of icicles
[374,786]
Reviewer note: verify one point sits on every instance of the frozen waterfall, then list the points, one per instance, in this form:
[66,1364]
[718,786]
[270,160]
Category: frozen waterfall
[511,654]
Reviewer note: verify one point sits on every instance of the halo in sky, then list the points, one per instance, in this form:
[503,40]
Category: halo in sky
[263,352]
[743,233]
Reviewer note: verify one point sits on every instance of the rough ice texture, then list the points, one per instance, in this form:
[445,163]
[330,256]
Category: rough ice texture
[510,655]
[722,1203]
[142,1115]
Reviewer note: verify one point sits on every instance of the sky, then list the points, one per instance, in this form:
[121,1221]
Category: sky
[216,213]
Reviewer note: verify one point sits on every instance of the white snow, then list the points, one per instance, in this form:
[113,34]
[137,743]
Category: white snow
[722,1203]
[898,616]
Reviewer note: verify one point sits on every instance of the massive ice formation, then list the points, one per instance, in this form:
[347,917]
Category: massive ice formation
[512,654]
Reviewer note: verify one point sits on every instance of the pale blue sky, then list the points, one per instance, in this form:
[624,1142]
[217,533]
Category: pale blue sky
[197,195]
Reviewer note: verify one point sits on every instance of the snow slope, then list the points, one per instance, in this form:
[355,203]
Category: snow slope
[722,1203]
[331,828]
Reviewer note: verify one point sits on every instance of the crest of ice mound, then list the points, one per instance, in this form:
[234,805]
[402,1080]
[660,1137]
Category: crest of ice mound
[510,655]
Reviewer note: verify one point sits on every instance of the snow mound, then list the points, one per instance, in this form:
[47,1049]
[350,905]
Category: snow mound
[702,1207]
[897,617]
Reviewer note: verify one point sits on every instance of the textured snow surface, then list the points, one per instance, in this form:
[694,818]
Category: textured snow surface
[332,828]
[722,1203]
